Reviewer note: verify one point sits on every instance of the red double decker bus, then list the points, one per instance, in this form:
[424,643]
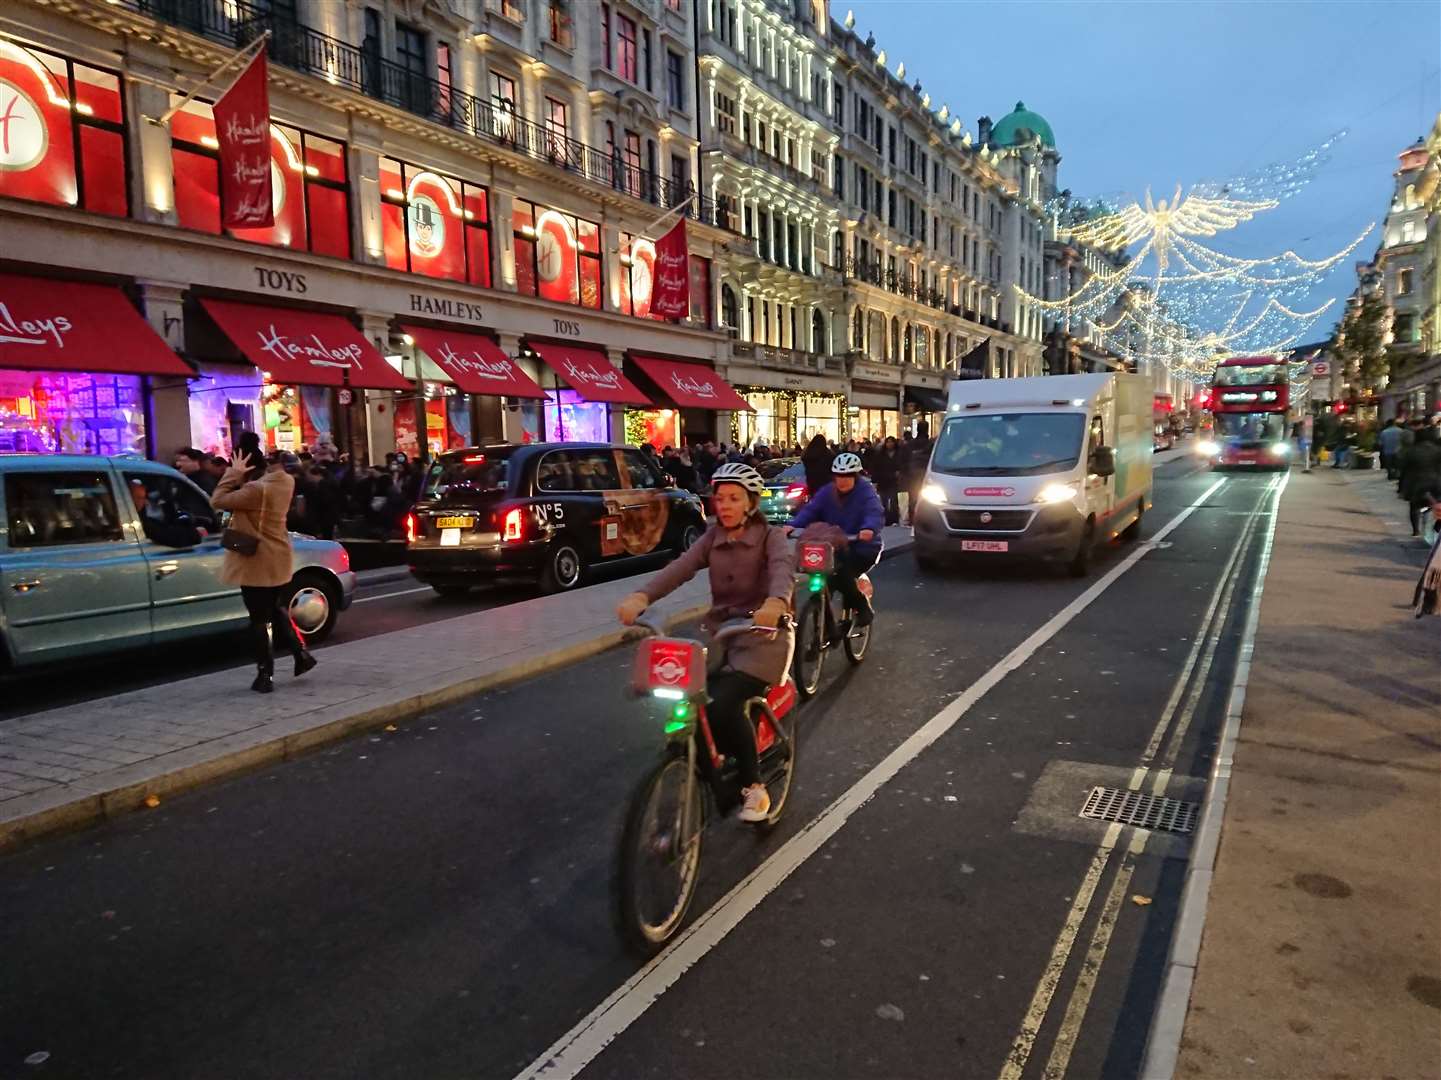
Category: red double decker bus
[1250,396]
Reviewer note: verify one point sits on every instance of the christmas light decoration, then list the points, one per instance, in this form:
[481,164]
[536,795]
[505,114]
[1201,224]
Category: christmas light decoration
[1177,303]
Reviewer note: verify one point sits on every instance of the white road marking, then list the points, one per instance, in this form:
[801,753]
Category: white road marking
[387,596]
[569,1054]
[1080,996]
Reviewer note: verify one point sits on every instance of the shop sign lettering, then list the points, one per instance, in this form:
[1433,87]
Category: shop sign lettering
[451,309]
[567,327]
[701,388]
[15,331]
[280,280]
[590,375]
[23,138]
[314,352]
[475,364]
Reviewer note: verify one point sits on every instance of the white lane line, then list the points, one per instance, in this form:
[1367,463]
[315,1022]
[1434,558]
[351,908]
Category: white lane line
[1090,972]
[569,1054]
[387,596]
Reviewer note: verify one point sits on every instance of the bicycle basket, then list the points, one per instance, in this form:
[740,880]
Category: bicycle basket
[671,668]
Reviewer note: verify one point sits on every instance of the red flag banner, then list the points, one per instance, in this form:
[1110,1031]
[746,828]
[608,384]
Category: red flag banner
[670,295]
[242,127]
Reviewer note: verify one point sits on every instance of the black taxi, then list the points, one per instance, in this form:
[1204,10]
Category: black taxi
[548,512]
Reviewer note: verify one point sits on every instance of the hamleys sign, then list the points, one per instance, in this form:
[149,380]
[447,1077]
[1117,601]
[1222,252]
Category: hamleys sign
[579,375]
[313,350]
[701,388]
[23,136]
[32,329]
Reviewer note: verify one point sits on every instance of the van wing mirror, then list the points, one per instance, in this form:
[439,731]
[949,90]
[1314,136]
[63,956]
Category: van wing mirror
[1103,461]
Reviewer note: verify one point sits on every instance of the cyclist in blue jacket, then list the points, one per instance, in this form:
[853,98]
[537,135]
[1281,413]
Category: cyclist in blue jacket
[850,503]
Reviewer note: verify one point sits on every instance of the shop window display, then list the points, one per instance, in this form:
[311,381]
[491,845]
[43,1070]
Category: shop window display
[296,418]
[570,418]
[557,256]
[308,186]
[62,134]
[223,403]
[64,413]
[435,225]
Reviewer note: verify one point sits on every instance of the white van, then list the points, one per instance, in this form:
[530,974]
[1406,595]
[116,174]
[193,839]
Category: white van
[1043,468]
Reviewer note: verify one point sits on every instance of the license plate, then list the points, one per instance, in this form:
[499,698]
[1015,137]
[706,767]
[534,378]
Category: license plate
[450,538]
[454,522]
[985,545]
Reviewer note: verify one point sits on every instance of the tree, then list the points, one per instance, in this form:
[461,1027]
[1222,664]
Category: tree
[1362,341]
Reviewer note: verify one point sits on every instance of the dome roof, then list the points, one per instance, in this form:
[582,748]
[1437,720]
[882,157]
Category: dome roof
[1019,125]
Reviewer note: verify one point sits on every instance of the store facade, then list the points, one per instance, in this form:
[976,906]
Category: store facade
[923,397]
[788,408]
[875,401]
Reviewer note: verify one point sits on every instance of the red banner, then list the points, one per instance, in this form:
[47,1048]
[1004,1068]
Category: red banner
[242,127]
[670,296]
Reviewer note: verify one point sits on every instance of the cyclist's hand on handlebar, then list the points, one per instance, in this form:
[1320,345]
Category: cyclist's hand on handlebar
[866,534]
[629,609]
[771,612]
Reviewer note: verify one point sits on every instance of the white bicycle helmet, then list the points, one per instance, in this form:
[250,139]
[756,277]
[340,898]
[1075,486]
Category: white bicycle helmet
[739,473]
[846,464]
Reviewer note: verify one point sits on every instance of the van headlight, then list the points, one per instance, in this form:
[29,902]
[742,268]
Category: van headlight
[1056,493]
[933,493]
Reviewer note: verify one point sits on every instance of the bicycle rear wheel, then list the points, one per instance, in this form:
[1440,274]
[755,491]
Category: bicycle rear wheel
[857,640]
[778,766]
[660,855]
[810,645]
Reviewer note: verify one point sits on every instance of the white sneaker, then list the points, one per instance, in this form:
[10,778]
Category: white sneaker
[757,805]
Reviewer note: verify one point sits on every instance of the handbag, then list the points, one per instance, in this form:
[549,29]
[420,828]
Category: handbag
[242,543]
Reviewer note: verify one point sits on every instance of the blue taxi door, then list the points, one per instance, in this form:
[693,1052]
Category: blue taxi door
[73,581]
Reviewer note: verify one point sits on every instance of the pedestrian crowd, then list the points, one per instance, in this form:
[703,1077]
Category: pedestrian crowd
[332,496]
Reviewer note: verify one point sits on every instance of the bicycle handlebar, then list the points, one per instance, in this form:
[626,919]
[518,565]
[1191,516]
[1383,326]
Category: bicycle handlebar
[729,629]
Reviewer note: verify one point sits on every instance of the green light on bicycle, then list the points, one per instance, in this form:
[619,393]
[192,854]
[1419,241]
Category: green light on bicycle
[818,582]
[681,710]
[681,721]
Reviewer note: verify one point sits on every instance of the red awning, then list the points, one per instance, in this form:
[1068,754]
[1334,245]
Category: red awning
[475,362]
[590,373]
[691,386]
[304,349]
[66,326]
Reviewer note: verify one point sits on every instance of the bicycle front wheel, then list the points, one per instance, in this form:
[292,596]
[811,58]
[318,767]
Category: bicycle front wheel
[810,645]
[660,855]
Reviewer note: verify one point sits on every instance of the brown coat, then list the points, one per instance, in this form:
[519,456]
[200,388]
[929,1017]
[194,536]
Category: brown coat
[257,508]
[744,574]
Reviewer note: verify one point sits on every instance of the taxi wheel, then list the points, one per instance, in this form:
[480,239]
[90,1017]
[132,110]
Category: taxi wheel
[689,535]
[314,605]
[564,568]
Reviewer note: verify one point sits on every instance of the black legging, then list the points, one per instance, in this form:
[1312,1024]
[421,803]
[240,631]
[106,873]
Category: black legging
[731,729]
[264,603]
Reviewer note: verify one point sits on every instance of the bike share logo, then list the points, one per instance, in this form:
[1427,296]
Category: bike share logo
[23,138]
[813,556]
[669,665]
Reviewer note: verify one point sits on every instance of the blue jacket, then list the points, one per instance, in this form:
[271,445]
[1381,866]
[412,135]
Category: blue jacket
[861,509]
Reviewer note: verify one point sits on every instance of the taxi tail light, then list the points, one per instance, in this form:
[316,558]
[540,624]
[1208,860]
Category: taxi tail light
[513,524]
[795,491]
[412,528]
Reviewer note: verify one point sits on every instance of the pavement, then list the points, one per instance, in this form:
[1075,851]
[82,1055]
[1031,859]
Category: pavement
[1321,948]
[69,766]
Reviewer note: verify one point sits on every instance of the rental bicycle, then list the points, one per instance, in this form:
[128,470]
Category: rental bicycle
[824,619]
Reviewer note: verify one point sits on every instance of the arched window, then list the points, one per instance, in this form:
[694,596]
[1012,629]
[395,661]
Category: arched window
[730,309]
[858,330]
[818,332]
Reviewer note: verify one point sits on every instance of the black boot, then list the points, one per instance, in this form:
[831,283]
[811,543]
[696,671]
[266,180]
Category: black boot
[304,662]
[263,683]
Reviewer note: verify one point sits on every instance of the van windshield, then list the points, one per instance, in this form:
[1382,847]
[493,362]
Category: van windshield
[466,474]
[1009,444]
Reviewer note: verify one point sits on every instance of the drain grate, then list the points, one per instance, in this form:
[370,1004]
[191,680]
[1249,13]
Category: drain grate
[1137,808]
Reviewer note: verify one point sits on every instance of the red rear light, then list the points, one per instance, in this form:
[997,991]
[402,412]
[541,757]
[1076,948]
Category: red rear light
[514,527]
[795,491]
[412,528]
[475,459]
[344,560]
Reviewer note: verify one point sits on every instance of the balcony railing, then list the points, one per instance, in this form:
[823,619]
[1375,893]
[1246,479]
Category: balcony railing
[873,273]
[237,23]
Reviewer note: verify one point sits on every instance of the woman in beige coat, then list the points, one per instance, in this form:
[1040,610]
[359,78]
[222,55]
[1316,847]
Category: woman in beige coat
[258,509]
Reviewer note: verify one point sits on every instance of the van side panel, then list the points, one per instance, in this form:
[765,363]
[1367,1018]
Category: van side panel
[1134,396]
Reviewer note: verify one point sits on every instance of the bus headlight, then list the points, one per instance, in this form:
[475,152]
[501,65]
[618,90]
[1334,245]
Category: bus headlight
[933,493]
[1208,448]
[1281,449]
[1056,493]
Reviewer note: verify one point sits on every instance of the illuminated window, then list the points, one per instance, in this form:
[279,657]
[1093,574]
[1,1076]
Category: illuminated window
[62,134]
[557,255]
[308,186]
[626,53]
[435,225]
